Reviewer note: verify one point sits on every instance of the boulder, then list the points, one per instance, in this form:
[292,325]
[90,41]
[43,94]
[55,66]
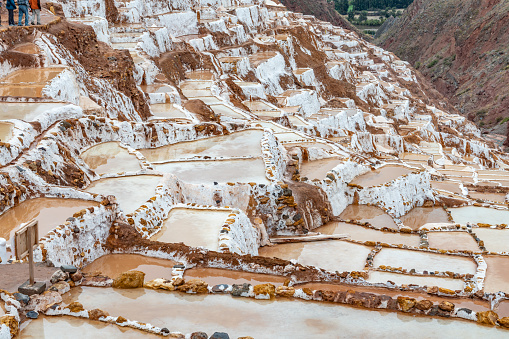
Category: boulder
[41,302]
[60,287]
[32,315]
[406,304]
[446,306]
[160,284]
[130,279]
[424,305]
[504,322]
[11,323]
[241,290]
[285,291]
[193,286]
[219,335]
[77,276]
[222,288]
[75,307]
[264,291]
[199,335]
[96,314]
[487,318]
[59,276]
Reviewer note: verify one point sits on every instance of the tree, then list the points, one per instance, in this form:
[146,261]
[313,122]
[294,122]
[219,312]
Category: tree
[363,16]
[342,6]
[351,16]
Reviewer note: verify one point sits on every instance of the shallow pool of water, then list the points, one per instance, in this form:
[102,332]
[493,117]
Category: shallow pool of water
[332,255]
[112,265]
[32,75]
[484,215]
[496,197]
[6,129]
[361,233]
[366,213]
[109,157]
[49,212]
[244,143]
[420,216]
[131,192]
[402,279]
[446,186]
[78,328]
[224,110]
[318,169]
[27,111]
[208,172]
[193,227]
[497,274]
[452,241]
[423,261]
[268,318]
[495,240]
[167,111]
[380,176]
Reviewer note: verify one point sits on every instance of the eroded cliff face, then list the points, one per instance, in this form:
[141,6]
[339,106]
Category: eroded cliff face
[462,47]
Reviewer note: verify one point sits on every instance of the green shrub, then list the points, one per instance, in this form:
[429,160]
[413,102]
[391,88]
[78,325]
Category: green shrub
[432,63]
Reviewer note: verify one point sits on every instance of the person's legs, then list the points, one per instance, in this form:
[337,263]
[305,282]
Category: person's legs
[20,14]
[38,13]
[11,17]
[27,16]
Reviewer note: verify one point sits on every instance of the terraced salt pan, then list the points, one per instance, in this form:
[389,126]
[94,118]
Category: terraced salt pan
[167,111]
[420,216]
[380,176]
[497,274]
[475,215]
[256,106]
[404,279]
[27,111]
[193,85]
[200,75]
[208,172]
[49,212]
[318,169]
[446,186]
[495,240]
[216,276]
[270,125]
[78,328]
[423,261]
[193,227]
[32,75]
[296,121]
[263,318]
[243,143]
[156,88]
[496,197]
[291,137]
[131,191]
[224,110]
[360,233]
[332,255]
[208,99]
[109,157]
[6,131]
[372,214]
[452,241]
[112,265]
[28,48]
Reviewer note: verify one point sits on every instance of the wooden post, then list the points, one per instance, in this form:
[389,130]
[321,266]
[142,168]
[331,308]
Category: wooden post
[31,257]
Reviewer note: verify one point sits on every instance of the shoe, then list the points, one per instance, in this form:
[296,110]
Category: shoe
[32,23]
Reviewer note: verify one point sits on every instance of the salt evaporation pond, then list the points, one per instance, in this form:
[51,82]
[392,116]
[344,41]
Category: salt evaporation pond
[244,143]
[167,111]
[446,186]
[109,157]
[496,197]
[78,328]
[497,274]
[380,176]
[26,111]
[216,276]
[495,240]
[479,215]
[332,255]
[193,227]
[6,129]
[420,216]
[220,171]
[405,279]
[261,319]
[360,233]
[112,265]
[423,261]
[366,213]
[455,241]
[131,191]
[318,169]
[49,212]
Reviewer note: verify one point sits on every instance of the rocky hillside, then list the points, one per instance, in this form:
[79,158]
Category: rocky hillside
[321,9]
[462,46]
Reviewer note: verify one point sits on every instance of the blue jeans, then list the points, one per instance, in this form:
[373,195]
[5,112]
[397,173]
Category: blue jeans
[23,9]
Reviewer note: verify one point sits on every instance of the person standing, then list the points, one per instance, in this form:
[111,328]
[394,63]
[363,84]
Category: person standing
[23,10]
[35,5]
[11,6]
